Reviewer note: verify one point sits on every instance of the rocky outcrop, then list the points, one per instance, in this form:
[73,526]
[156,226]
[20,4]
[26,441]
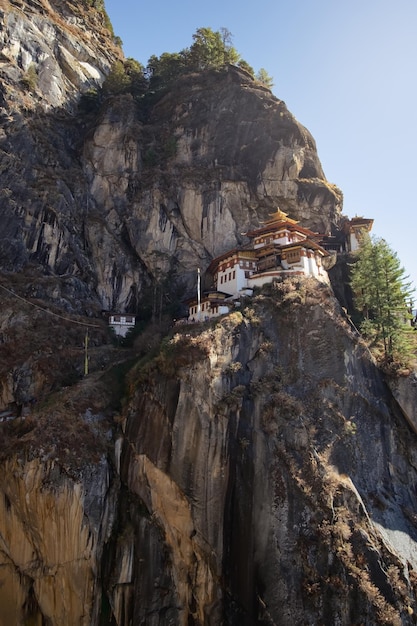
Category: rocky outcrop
[404,390]
[265,476]
[194,177]
[48,554]
[57,507]
[141,187]
[51,51]
[257,470]
[276,470]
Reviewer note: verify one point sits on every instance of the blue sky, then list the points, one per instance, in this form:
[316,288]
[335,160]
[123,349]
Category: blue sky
[346,70]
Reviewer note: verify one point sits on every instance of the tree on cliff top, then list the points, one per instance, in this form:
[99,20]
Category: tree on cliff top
[264,78]
[125,77]
[210,50]
[382,295]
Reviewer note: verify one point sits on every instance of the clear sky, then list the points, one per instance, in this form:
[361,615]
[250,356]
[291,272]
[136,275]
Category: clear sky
[346,70]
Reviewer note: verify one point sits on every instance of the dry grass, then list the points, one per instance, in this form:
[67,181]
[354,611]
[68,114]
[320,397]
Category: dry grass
[70,427]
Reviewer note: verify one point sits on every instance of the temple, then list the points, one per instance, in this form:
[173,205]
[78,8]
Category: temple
[121,323]
[280,248]
[355,229]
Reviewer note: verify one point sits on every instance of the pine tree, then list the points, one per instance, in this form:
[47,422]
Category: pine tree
[212,49]
[381,295]
[264,78]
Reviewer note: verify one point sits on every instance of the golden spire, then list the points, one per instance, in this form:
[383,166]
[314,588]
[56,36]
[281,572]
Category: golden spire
[280,216]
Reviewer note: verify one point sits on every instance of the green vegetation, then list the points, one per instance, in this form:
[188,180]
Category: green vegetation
[382,296]
[127,77]
[90,101]
[30,78]
[264,78]
[209,50]
[212,49]
[99,6]
[96,4]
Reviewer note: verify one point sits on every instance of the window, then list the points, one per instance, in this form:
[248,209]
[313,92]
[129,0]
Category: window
[234,274]
[293,256]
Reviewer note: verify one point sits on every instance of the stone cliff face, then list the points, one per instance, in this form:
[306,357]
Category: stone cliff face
[269,462]
[263,475]
[212,159]
[48,557]
[50,51]
[256,470]
[142,187]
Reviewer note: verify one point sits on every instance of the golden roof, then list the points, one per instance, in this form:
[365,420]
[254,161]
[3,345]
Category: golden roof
[280,216]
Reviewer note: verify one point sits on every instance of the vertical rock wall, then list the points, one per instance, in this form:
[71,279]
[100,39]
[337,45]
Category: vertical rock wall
[267,453]
[266,476]
[49,555]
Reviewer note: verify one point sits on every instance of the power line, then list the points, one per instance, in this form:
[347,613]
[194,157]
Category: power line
[62,317]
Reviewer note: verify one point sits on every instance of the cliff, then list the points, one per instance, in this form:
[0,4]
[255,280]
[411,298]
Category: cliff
[156,184]
[253,470]
[261,474]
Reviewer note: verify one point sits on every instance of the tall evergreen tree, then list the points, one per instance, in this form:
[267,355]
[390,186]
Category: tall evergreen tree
[264,78]
[212,49]
[117,81]
[382,295]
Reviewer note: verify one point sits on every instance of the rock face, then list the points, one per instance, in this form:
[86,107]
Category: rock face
[48,556]
[50,51]
[269,464]
[214,157]
[257,470]
[144,186]
[263,476]
[404,390]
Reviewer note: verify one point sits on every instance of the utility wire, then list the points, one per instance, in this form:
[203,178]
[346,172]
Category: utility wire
[62,317]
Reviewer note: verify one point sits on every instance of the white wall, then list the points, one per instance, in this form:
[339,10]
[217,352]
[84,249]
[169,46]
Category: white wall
[232,285]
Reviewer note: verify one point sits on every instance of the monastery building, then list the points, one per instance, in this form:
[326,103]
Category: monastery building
[279,249]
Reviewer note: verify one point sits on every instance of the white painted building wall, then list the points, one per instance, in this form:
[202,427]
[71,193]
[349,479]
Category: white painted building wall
[353,241]
[122,324]
[233,279]
[208,310]
[312,266]
[281,237]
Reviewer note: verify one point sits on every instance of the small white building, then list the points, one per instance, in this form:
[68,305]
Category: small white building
[122,323]
[355,229]
[212,304]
